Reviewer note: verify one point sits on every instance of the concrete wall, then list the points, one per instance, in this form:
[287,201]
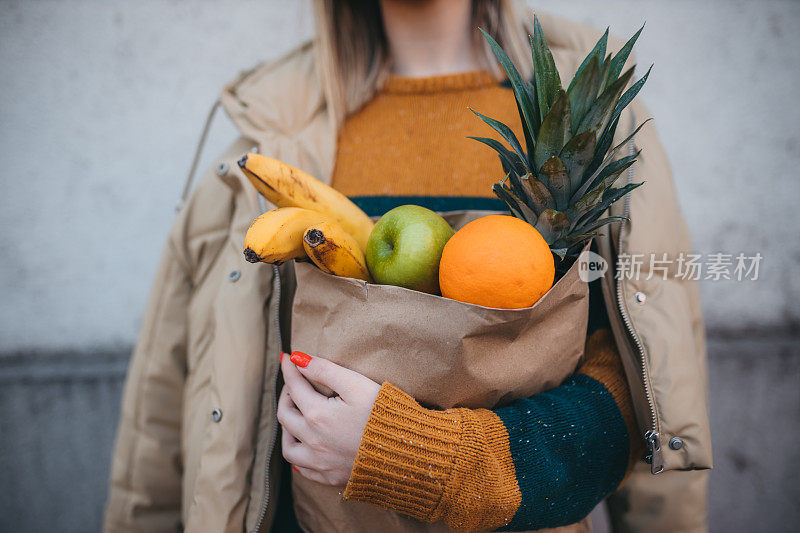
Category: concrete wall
[102,104]
[102,101]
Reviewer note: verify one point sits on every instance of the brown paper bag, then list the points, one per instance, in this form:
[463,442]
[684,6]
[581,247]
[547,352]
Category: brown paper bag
[443,352]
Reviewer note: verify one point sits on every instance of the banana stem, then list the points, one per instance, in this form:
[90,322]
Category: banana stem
[251,255]
[314,238]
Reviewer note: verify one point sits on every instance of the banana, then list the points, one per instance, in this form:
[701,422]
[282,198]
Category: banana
[335,251]
[277,235]
[285,186]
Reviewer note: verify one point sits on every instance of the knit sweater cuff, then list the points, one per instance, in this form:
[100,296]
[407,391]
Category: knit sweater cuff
[406,455]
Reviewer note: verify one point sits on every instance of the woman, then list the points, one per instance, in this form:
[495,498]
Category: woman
[388,82]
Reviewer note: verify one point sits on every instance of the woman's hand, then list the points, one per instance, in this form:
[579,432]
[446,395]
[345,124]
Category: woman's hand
[321,435]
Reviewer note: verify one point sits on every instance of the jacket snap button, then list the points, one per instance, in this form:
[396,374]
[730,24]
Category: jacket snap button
[216,415]
[234,275]
[222,169]
[675,443]
[640,297]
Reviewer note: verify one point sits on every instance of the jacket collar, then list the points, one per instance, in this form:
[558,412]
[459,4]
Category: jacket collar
[280,106]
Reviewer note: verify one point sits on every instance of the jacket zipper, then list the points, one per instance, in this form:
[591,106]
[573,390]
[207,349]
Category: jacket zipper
[277,307]
[652,437]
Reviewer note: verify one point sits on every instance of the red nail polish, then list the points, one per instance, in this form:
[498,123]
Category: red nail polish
[295,469]
[300,359]
[282,354]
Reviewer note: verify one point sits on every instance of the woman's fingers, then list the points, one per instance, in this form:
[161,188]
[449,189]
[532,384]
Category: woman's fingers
[291,418]
[344,382]
[299,456]
[294,451]
[321,435]
[288,441]
[313,475]
[304,396]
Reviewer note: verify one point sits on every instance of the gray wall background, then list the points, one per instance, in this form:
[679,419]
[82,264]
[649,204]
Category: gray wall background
[102,101]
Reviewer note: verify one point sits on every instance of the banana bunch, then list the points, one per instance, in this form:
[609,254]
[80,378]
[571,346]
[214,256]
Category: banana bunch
[286,186]
[312,220]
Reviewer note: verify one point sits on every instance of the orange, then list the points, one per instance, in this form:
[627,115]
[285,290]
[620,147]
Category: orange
[497,261]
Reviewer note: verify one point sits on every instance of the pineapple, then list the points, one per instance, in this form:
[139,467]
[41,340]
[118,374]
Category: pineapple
[562,185]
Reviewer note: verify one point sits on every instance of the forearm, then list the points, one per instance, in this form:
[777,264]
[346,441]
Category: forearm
[539,462]
[452,465]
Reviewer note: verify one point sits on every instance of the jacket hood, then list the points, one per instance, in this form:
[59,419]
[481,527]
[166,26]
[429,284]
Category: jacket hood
[280,96]
[280,106]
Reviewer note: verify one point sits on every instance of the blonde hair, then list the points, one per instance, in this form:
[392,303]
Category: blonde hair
[353,58]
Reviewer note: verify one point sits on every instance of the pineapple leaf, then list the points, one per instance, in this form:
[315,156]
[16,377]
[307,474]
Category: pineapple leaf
[516,187]
[557,181]
[605,68]
[530,136]
[597,224]
[583,91]
[630,94]
[603,155]
[596,193]
[546,78]
[518,85]
[504,194]
[599,52]
[575,243]
[528,214]
[554,132]
[579,238]
[509,159]
[585,204]
[623,102]
[506,168]
[538,194]
[599,115]
[615,194]
[616,149]
[552,225]
[517,209]
[507,134]
[609,197]
[577,155]
[615,167]
[600,152]
[618,63]
[610,174]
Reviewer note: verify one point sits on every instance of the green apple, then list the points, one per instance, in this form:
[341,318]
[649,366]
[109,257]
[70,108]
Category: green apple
[405,247]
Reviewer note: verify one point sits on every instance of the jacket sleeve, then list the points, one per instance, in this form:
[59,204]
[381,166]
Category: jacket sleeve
[539,462]
[145,492]
[147,467]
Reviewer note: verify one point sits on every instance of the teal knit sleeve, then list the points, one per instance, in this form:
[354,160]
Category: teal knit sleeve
[570,449]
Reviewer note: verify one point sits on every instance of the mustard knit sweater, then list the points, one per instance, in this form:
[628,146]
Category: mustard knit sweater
[412,138]
[539,462]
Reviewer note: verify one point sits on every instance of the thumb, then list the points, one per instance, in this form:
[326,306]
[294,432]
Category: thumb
[341,380]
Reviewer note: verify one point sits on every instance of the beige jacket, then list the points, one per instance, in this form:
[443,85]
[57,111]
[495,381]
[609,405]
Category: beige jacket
[197,436]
